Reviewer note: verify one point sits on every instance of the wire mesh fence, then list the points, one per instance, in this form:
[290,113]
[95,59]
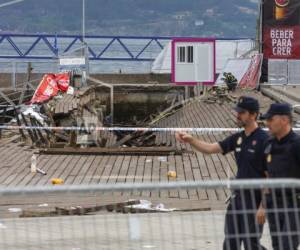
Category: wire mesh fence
[116,217]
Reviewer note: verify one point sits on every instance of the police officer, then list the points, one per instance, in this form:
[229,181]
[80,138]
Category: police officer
[240,222]
[282,158]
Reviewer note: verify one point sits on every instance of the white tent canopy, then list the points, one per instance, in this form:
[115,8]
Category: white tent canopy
[238,67]
[225,49]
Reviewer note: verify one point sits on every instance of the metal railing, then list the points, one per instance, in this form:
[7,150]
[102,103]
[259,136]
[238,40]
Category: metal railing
[118,218]
[113,48]
[134,48]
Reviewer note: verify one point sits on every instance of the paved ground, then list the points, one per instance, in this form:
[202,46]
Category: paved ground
[287,94]
[175,231]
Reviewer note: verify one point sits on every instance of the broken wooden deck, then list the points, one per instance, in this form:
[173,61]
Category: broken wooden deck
[93,169]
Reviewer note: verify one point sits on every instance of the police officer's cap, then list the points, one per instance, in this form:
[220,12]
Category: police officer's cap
[278,109]
[247,103]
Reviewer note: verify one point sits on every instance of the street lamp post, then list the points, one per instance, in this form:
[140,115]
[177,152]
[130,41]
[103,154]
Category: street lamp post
[85,72]
[83,21]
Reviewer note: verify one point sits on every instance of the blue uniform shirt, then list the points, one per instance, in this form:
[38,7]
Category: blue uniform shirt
[248,151]
[282,158]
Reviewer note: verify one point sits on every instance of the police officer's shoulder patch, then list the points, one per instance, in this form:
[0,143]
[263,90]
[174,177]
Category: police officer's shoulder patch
[239,141]
[269,158]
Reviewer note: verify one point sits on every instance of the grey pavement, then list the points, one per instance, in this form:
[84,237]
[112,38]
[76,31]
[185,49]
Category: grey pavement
[194,230]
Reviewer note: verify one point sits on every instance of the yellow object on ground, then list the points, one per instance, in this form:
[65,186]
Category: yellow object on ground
[172,174]
[56,181]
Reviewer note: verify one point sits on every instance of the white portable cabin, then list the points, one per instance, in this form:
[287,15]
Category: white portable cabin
[193,61]
[225,49]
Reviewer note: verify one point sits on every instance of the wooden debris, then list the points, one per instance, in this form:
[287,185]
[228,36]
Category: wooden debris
[114,151]
[79,210]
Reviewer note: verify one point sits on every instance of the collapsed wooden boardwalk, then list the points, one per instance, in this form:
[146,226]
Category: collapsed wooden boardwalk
[74,170]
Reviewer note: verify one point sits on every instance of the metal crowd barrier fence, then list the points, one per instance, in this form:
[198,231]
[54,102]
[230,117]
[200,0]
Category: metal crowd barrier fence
[127,224]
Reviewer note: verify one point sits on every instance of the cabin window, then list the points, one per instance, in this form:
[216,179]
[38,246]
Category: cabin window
[185,54]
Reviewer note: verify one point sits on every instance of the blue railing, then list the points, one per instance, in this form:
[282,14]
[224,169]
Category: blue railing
[129,48]
[120,48]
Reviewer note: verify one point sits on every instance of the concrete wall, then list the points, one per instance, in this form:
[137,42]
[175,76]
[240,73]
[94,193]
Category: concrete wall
[6,79]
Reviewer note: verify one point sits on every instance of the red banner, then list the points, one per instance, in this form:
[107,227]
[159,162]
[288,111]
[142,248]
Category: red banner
[251,78]
[282,42]
[281,29]
[49,87]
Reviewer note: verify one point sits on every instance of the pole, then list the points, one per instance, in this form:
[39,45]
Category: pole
[112,104]
[260,28]
[85,55]
[83,22]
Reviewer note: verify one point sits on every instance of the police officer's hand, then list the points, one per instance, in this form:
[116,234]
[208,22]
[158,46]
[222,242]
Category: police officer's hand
[183,137]
[261,216]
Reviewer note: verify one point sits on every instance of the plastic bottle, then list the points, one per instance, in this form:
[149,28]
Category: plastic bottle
[33,163]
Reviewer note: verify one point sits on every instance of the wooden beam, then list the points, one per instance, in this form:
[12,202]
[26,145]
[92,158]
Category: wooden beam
[114,151]
[7,99]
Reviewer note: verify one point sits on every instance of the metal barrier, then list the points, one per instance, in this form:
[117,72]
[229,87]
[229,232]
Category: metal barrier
[25,46]
[116,222]
[283,72]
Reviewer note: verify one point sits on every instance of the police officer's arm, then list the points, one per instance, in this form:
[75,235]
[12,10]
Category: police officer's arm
[203,147]
[261,212]
[296,150]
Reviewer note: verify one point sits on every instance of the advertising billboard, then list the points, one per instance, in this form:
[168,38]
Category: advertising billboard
[281,29]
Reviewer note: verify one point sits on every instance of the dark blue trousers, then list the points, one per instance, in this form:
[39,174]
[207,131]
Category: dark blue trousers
[240,223]
[284,220]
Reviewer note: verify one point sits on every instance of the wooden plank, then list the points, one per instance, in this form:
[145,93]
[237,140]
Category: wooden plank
[122,177]
[132,170]
[115,170]
[33,178]
[155,177]
[164,166]
[14,138]
[100,169]
[108,169]
[147,175]
[175,164]
[21,166]
[91,174]
[83,170]
[58,169]
[65,108]
[189,175]
[123,173]
[139,172]
[68,167]
[49,169]
[10,163]
[76,169]
[7,153]
[117,151]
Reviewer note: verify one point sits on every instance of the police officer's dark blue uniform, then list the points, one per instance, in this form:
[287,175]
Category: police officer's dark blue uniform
[240,220]
[282,158]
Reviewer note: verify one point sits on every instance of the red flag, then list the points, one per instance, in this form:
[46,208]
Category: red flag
[49,87]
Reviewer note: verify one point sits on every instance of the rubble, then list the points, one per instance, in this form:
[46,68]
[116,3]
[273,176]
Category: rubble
[86,110]
[220,94]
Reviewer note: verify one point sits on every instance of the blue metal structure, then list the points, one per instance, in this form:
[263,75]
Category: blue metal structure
[113,48]
[121,48]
